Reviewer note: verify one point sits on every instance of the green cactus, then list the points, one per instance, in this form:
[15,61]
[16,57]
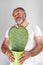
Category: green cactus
[18,38]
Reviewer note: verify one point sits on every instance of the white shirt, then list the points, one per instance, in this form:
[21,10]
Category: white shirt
[32,31]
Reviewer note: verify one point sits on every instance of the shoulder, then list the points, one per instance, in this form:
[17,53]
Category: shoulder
[35,28]
[30,27]
[6,34]
[37,31]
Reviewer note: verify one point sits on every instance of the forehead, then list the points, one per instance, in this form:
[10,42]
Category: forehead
[18,10]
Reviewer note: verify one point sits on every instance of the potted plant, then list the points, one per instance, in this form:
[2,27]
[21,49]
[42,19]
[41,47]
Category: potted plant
[18,38]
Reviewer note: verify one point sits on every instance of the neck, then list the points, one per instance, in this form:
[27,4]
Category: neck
[24,24]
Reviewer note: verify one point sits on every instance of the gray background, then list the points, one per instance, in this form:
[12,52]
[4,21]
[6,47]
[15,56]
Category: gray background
[34,9]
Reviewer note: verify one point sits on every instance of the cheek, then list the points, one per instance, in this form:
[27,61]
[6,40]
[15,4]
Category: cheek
[15,18]
[20,15]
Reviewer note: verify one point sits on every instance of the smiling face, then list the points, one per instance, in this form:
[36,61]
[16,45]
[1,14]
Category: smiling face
[19,15]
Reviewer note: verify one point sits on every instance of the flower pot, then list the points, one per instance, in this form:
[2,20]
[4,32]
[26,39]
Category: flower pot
[17,56]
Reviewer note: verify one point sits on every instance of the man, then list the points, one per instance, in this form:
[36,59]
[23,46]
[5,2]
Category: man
[34,44]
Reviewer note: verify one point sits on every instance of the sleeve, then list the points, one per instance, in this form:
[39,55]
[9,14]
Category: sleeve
[6,35]
[37,31]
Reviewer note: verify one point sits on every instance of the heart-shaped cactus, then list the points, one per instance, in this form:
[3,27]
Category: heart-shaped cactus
[18,38]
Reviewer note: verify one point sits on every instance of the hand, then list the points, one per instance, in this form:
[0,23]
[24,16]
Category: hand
[10,55]
[24,56]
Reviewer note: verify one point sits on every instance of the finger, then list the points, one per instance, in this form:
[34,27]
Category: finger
[21,57]
[22,53]
[10,55]
[22,60]
[11,59]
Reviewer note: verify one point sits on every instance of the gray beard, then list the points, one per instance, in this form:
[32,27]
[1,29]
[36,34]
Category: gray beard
[19,22]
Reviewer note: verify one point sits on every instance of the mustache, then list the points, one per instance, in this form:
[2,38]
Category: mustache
[18,17]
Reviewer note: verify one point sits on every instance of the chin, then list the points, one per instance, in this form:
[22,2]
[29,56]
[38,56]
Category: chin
[19,22]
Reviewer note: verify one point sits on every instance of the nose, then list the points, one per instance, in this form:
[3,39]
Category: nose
[17,15]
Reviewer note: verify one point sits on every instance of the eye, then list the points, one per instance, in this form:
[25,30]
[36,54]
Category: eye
[17,13]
